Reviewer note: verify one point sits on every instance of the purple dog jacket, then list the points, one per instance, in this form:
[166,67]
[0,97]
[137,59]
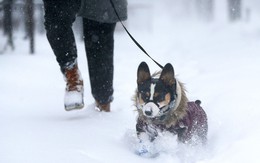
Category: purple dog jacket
[192,128]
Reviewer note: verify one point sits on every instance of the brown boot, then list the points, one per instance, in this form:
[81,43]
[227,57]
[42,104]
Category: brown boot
[74,89]
[103,107]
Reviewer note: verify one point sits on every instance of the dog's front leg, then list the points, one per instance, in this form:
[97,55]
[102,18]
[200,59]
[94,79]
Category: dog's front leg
[144,129]
[146,135]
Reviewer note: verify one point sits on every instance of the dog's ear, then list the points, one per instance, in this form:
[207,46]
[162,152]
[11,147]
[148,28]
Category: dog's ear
[167,75]
[143,73]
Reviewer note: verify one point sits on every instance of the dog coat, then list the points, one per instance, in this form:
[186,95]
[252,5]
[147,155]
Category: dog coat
[192,128]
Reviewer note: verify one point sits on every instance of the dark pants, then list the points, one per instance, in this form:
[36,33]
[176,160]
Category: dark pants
[99,45]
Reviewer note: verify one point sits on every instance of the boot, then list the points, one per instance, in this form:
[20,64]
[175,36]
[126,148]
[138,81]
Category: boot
[74,89]
[103,107]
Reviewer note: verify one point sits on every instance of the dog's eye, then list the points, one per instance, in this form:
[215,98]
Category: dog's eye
[159,98]
[145,96]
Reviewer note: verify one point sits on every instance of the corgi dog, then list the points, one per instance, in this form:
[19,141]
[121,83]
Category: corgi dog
[162,105]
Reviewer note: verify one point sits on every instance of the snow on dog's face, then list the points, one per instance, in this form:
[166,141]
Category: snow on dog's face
[155,94]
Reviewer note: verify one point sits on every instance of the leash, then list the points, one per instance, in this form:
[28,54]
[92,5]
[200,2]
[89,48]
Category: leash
[133,39]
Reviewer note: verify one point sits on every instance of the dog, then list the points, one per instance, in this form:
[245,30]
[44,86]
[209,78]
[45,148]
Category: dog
[162,105]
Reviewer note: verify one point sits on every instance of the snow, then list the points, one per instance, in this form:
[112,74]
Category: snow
[73,99]
[217,61]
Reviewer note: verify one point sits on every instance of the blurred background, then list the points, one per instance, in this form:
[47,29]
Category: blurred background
[25,18]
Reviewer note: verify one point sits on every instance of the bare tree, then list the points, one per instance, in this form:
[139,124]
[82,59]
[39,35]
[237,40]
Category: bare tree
[7,23]
[234,9]
[29,23]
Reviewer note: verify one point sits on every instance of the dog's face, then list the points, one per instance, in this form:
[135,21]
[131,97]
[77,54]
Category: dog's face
[155,94]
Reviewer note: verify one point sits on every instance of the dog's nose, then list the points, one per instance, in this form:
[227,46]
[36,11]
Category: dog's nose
[148,113]
[150,109]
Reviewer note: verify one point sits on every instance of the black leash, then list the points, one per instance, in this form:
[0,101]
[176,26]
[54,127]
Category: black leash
[140,47]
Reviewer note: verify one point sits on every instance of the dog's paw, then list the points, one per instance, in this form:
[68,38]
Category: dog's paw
[146,150]
[142,150]
[147,154]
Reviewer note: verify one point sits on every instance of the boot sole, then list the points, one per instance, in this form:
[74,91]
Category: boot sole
[74,107]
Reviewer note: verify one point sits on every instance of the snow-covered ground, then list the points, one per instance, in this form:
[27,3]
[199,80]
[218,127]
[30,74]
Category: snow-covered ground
[218,62]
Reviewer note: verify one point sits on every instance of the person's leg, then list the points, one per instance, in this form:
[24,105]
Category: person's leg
[99,44]
[59,17]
